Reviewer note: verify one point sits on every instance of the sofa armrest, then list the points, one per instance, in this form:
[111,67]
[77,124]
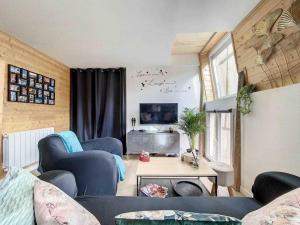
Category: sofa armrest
[95,172]
[64,180]
[108,144]
[270,185]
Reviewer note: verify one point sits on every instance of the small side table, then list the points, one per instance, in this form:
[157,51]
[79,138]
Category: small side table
[225,176]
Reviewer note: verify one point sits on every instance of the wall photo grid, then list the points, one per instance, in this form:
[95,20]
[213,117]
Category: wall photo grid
[29,87]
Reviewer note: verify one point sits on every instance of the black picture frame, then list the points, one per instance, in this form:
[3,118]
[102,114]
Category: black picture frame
[25,86]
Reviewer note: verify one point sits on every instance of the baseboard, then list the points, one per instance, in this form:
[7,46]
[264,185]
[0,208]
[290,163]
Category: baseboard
[246,192]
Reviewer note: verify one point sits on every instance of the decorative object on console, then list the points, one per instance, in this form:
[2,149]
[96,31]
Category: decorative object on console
[188,157]
[192,123]
[244,100]
[28,87]
[133,122]
[144,156]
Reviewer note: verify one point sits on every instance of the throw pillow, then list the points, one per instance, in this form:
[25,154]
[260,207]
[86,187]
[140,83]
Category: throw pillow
[173,217]
[283,210]
[16,198]
[53,207]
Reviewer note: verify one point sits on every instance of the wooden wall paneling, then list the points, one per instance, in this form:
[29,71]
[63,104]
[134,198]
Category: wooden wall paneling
[25,116]
[283,68]
[206,77]
[237,138]
[2,73]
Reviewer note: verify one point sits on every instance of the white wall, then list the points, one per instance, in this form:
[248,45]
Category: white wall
[179,85]
[271,134]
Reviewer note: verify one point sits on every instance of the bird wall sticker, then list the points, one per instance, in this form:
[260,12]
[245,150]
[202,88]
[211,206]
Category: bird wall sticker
[158,78]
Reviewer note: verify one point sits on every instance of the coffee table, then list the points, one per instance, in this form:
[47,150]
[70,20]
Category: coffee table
[173,167]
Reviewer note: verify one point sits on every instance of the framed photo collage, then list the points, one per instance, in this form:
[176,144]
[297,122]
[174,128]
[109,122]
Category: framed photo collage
[29,87]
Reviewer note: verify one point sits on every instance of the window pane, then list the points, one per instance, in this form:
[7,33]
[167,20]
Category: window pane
[225,140]
[219,137]
[212,138]
[224,71]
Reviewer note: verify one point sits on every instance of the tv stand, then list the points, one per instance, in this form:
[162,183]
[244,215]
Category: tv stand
[160,142]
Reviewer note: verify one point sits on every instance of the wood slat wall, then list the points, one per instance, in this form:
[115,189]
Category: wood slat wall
[25,116]
[284,66]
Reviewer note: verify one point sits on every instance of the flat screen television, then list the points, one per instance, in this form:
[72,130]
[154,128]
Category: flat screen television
[158,113]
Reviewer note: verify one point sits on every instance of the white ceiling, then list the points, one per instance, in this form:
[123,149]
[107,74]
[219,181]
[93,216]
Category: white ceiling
[113,33]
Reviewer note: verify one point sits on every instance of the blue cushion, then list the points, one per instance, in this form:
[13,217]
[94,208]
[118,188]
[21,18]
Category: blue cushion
[16,198]
[173,217]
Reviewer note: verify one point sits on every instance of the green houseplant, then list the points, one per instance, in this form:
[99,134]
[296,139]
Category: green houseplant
[244,100]
[192,122]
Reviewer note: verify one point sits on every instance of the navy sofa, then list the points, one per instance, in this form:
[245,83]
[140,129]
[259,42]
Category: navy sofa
[267,187]
[94,169]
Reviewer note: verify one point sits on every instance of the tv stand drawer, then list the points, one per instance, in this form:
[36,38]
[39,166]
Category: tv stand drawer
[153,142]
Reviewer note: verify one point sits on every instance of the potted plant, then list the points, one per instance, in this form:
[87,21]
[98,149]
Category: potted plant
[244,100]
[192,122]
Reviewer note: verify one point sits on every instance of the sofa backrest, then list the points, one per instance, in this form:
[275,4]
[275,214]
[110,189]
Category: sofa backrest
[270,185]
[51,149]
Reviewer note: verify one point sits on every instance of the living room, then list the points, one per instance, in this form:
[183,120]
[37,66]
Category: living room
[150,112]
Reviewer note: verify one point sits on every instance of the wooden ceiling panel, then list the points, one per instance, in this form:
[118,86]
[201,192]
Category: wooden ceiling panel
[189,43]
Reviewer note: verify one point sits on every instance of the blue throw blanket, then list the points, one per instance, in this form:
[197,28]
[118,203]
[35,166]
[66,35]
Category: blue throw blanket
[72,144]
[121,168]
[70,141]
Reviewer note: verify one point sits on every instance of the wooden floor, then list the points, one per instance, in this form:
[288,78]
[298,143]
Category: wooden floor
[128,186]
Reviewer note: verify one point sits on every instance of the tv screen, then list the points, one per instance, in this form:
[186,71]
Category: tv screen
[158,113]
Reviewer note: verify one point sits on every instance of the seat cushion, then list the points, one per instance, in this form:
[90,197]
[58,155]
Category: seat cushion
[105,208]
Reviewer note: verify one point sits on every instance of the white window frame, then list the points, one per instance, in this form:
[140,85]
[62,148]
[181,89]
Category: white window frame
[226,40]
[219,147]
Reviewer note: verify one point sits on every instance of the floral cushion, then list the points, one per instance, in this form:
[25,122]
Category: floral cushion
[285,210]
[173,217]
[53,207]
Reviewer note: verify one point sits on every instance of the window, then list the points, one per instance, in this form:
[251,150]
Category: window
[224,68]
[219,136]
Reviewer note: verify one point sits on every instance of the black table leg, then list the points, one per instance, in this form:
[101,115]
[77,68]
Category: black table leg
[137,186]
[216,185]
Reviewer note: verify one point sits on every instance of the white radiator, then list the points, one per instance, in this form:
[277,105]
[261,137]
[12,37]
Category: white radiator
[20,149]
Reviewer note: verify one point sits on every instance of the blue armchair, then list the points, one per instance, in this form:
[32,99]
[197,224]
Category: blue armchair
[94,169]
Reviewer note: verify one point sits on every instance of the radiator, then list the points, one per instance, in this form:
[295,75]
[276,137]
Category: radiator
[20,149]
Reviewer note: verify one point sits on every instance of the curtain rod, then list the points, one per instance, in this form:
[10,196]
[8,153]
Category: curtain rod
[219,111]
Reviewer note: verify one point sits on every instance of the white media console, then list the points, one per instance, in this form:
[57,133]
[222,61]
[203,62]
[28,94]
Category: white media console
[160,142]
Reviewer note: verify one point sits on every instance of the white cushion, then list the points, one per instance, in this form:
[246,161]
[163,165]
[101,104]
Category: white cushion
[285,210]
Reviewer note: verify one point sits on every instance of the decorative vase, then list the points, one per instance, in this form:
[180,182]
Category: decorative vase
[192,150]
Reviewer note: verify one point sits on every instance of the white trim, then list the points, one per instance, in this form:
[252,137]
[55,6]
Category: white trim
[221,45]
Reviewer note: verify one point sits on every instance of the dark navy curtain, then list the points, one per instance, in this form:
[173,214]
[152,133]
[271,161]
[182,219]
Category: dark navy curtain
[98,103]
